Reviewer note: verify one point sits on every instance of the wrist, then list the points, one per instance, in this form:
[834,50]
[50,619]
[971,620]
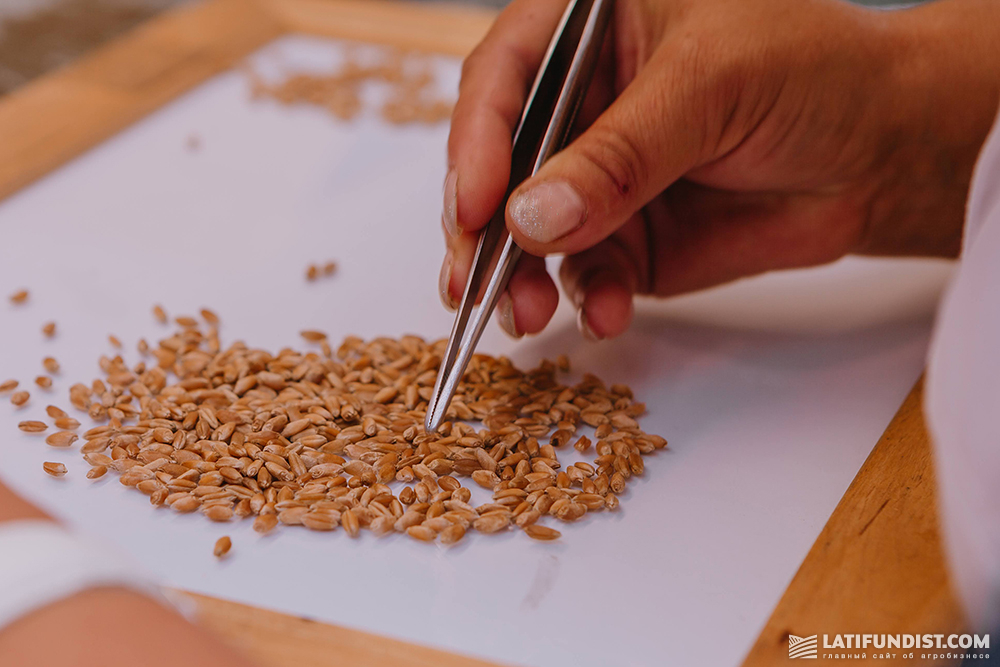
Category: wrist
[940,100]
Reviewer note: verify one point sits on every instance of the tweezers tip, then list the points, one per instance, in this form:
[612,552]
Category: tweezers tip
[429,424]
[432,422]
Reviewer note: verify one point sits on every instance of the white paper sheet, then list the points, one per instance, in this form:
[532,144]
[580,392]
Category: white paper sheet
[771,392]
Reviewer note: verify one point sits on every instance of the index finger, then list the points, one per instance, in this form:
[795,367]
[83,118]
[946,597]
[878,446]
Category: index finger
[495,81]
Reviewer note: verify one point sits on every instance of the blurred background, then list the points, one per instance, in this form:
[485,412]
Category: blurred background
[40,35]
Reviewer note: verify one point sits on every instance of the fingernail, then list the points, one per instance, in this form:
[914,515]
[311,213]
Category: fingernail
[449,214]
[444,280]
[548,211]
[505,316]
[584,326]
[580,290]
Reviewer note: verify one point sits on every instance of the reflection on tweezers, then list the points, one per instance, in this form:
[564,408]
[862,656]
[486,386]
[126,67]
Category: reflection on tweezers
[555,97]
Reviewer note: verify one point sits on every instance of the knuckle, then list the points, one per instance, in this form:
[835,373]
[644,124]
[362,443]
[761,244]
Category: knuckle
[471,64]
[617,159]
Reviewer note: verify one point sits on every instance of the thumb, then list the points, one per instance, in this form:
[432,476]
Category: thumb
[648,138]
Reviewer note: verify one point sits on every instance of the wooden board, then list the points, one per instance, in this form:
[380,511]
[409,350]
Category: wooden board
[877,565]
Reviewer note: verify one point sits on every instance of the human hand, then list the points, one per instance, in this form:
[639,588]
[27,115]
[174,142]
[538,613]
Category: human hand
[722,139]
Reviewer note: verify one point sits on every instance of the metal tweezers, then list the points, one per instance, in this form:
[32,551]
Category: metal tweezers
[555,97]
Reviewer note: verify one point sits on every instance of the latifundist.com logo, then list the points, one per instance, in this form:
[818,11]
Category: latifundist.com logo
[803,648]
[922,647]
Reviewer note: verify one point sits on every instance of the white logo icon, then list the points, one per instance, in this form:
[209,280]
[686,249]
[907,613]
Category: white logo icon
[802,647]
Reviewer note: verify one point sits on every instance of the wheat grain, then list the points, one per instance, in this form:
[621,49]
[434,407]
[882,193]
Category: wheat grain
[66,423]
[32,426]
[527,518]
[218,512]
[186,503]
[19,398]
[44,381]
[422,533]
[49,329]
[222,546]
[571,511]
[492,522]
[537,532]
[8,385]
[452,534]
[61,439]
[54,469]
[321,519]
[313,336]
[485,479]
[265,523]
[19,296]
[349,520]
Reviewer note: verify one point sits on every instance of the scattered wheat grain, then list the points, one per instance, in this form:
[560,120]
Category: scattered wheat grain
[32,426]
[222,546]
[312,335]
[61,439]
[54,469]
[537,532]
[66,423]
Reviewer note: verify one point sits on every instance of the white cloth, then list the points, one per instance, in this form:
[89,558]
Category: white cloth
[41,562]
[962,400]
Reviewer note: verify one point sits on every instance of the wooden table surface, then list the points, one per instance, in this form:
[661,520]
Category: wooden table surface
[877,565]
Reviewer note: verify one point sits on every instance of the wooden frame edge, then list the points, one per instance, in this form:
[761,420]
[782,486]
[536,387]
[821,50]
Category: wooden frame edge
[878,565]
[57,117]
[291,641]
[448,29]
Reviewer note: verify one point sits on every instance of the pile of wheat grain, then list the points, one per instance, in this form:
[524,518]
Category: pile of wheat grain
[411,99]
[335,438]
